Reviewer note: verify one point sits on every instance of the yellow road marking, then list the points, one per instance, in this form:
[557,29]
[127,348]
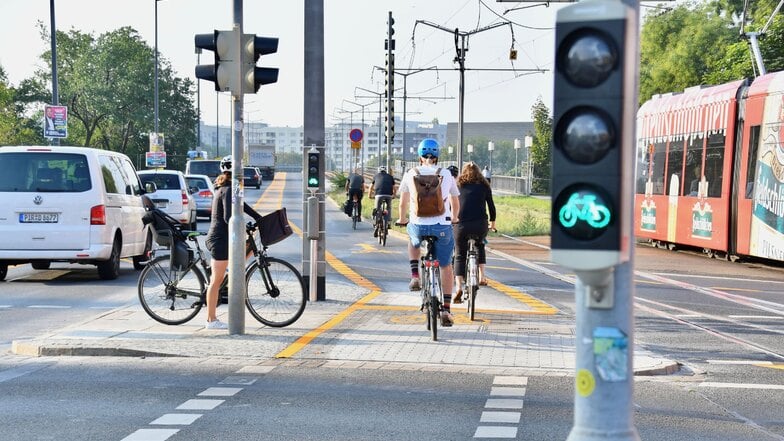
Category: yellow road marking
[538,306]
[502,268]
[367,248]
[771,366]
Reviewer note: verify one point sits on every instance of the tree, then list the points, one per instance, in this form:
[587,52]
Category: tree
[107,84]
[541,155]
[15,128]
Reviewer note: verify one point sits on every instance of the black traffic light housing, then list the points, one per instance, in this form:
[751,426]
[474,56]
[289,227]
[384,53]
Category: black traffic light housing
[224,70]
[593,134]
[314,169]
[254,47]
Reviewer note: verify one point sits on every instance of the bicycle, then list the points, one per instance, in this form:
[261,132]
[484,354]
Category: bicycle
[471,280]
[381,224]
[354,212]
[174,294]
[430,277]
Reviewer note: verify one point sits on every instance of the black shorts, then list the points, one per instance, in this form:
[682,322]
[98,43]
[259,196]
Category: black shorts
[219,250]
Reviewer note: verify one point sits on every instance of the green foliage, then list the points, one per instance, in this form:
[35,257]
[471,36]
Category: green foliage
[541,154]
[338,180]
[15,129]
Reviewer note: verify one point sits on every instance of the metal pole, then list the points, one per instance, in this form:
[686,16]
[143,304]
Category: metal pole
[461,99]
[314,127]
[237,235]
[198,102]
[217,124]
[405,120]
[156,68]
[55,92]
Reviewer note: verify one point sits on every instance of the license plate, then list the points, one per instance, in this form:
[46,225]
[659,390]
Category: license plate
[39,218]
[161,204]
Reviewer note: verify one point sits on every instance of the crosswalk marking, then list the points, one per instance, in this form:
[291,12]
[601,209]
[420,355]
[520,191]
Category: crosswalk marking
[151,435]
[176,419]
[495,432]
[200,404]
[503,386]
[500,417]
[508,391]
[220,392]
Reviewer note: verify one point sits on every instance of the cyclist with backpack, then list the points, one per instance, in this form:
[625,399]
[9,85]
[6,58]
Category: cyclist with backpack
[355,189]
[429,198]
[383,189]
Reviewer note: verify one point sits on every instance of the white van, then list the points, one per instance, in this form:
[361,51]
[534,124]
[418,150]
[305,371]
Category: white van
[70,204]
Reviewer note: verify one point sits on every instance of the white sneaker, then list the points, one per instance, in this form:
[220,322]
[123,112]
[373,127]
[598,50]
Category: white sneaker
[216,324]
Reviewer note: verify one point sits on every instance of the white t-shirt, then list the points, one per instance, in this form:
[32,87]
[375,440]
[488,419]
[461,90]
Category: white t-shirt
[448,187]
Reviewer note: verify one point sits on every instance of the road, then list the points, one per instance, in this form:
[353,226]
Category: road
[722,321]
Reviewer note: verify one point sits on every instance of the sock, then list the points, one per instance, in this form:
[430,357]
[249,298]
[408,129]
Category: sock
[448,302]
[414,268]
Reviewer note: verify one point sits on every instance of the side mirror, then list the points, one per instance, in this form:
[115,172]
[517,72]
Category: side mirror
[150,187]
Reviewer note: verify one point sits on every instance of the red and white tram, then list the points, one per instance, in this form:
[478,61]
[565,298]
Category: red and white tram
[710,168]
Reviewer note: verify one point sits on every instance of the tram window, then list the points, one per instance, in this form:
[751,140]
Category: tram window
[693,167]
[751,161]
[657,170]
[643,166]
[714,164]
[675,164]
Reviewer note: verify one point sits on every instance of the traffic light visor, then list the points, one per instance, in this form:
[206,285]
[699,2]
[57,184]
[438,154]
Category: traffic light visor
[585,135]
[587,57]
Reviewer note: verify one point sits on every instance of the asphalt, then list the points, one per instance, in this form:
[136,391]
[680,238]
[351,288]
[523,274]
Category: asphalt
[358,326]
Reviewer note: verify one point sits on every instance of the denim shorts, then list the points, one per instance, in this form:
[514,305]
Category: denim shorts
[444,245]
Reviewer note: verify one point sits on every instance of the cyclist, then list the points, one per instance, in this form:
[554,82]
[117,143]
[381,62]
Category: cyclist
[383,189]
[217,241]
[439,226]
[476,199]
[453,169]
[355,188]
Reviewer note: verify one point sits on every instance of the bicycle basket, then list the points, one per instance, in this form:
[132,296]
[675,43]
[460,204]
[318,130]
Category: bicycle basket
[165,229]
[274,227]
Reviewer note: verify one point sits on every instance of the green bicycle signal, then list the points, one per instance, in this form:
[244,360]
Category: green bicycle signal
[585,207]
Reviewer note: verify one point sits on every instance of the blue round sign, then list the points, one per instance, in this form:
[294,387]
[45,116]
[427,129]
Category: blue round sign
[355,135]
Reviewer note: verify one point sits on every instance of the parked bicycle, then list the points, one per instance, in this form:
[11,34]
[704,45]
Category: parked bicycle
[430,276]
[381,224]
[172,288]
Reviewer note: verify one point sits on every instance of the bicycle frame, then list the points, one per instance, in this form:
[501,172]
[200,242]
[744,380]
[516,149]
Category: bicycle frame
[432,294]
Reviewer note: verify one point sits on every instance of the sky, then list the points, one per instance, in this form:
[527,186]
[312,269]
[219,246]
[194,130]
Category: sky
[354,30]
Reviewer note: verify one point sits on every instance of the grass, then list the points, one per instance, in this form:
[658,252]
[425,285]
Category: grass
[515,215]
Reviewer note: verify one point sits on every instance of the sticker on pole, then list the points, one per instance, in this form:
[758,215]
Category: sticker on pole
[585,382]
[610,354]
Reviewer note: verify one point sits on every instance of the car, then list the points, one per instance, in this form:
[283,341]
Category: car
[172,195]
[209,167]
[251,177]
[203,194]
[71,204]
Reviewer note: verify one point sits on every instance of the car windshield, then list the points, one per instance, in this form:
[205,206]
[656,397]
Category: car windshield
[44,172]
[209,168]
[163,181]
[199,183]
[249,172]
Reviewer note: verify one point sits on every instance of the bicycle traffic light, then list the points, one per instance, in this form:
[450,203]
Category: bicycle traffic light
[224,71]
[593,135]
[314,169]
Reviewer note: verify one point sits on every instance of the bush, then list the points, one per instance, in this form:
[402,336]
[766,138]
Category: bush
[338,180]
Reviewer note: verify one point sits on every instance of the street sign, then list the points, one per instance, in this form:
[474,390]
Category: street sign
[55,121]
[355,135]
[155,159]
[356,145]
[156,142]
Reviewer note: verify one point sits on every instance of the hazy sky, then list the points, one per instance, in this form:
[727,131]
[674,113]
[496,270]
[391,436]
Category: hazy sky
[354,42]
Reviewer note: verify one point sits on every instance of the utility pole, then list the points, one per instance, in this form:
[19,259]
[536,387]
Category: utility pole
[389,45]
[55,92]
[460,50]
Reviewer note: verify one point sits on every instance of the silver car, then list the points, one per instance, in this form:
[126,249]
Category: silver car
[202,190]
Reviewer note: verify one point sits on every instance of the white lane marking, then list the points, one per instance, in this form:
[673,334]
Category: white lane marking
[256,370]
[738,362]
[177,419]
[151,435]
[761,317]
[495,432]
[200,404]
[688,315]
[503,403]
[696,276]
[510,381]
[245,381]
[10,374]
[507,391]
[742,386]
[500,417]
[220,392]
[49,306]
[4,306]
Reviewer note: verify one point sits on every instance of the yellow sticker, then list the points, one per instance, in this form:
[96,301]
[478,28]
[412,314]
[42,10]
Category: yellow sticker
[585,382]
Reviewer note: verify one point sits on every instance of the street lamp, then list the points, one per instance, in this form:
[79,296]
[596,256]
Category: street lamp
[470,149]
[517,147]
[490,148]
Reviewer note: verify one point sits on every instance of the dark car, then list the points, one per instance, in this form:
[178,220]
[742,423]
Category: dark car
[252,177]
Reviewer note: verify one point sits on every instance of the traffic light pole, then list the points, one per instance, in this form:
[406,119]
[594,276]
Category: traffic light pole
[237,223]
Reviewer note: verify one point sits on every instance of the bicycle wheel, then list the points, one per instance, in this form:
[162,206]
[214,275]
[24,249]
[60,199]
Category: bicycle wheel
[471,287]
[276,292]
[382,235]
[170,297]
[434,287]
[354,216]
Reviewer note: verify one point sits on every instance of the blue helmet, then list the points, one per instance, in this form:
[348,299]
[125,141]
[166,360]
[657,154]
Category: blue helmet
[428,147]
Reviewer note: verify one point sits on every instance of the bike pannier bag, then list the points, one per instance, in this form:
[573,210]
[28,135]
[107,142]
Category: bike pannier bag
[180,255]
[274,227]
[347,207]
[428,201]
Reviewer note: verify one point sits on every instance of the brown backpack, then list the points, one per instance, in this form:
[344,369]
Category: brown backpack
[427,194]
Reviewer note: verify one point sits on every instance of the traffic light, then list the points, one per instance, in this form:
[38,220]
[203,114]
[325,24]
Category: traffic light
[314,169]
[593,137]
[389,120]
[254,47]
[224,71]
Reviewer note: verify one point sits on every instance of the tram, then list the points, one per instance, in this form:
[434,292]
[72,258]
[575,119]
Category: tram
[710,169]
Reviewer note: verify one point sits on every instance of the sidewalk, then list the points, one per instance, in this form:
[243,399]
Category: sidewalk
[355,327]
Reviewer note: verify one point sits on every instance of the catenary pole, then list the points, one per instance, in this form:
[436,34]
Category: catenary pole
[55,92]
